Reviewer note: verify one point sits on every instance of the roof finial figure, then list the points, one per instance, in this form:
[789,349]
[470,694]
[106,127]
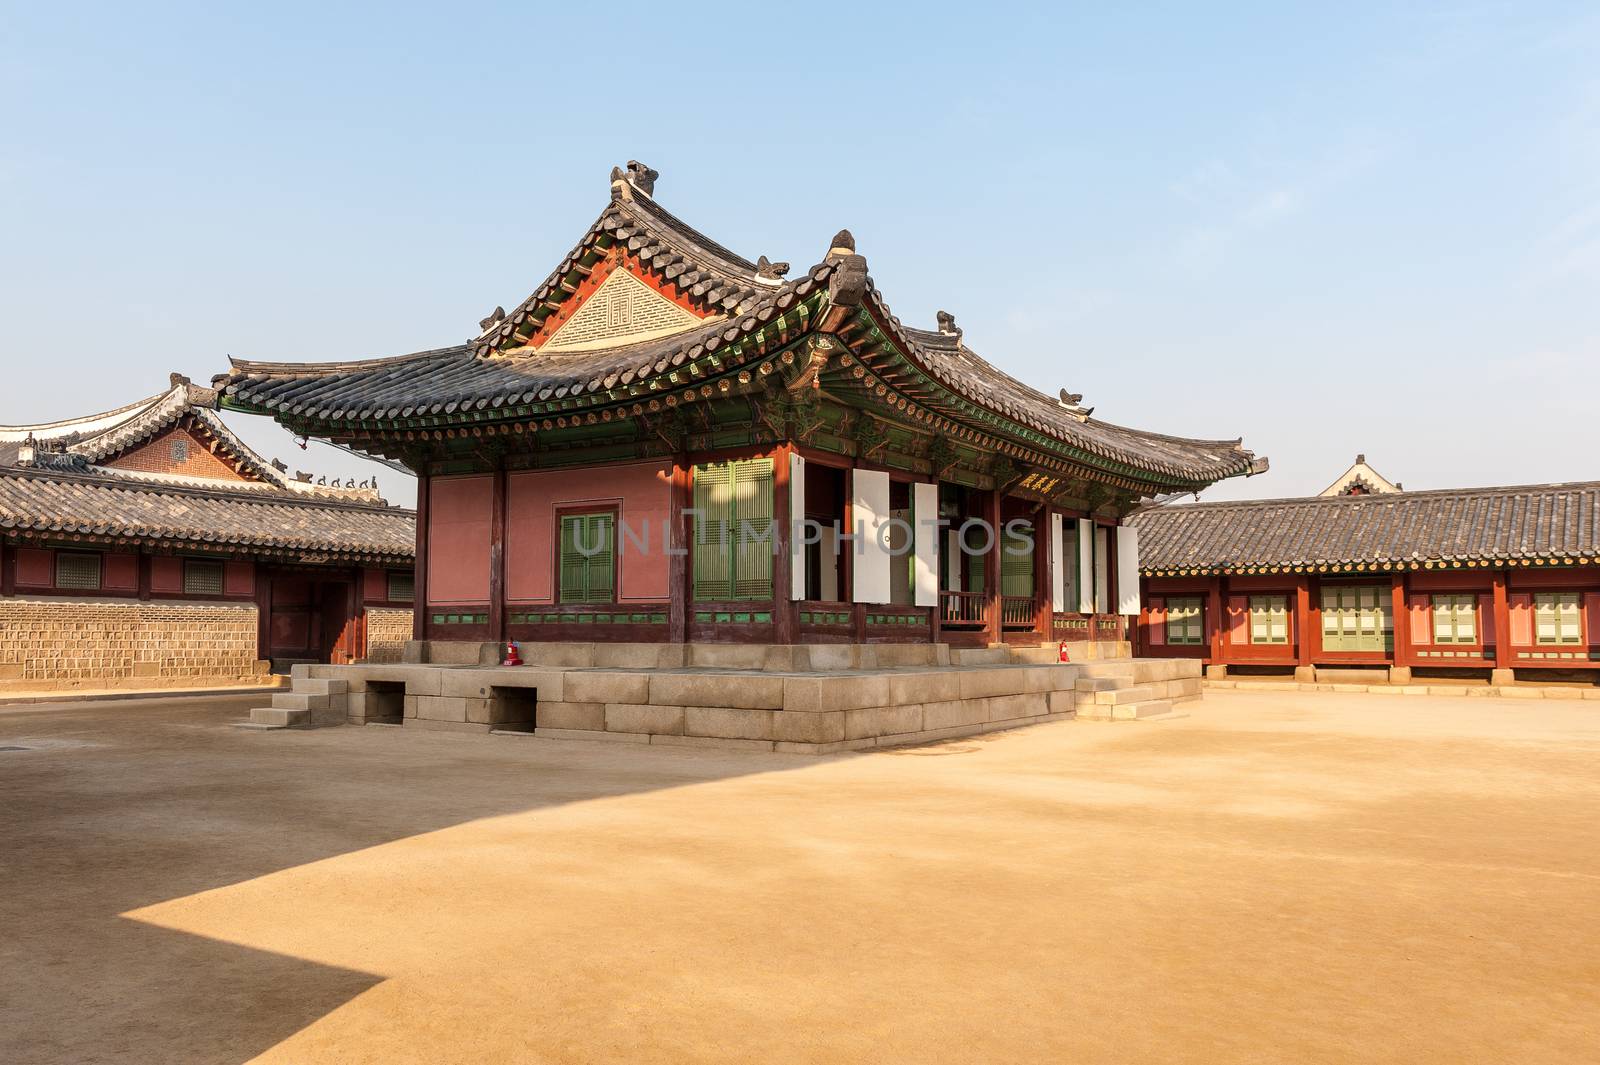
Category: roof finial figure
[844,243]
[496,316]
[848,285]
[947,325]
[770,270]
[637,176]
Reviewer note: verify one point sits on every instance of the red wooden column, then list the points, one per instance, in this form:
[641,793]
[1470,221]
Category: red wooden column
[1303,629]
[785,611]
[991,568]
[419,580]
[8,570]
[1401,657]
[1216,600]
[1043,574]
[678,552]
[1502,625]
[497,557]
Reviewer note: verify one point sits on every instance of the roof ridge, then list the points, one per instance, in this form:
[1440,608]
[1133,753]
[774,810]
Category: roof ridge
[270,495]
[66,424]
[250,367]
[1378,497]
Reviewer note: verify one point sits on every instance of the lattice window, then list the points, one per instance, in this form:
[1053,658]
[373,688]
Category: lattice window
[1357,617]
[78,570]
[179,449]
[588,557]
[733,530]
[402,586]
[1556,618]
[1185,620]
[202,577]
[1269,619]
[1455,619]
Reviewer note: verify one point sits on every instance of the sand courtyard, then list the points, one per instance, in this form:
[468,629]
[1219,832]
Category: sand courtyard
[1279,877]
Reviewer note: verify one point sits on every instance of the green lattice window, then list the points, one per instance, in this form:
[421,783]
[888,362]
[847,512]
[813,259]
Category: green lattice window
[733,530]
[1016,564]
[77,570]
[1455,619]
[1185,620]
[1556,619]
[202,577]
[1357,617]
[588,557]
[1269,619]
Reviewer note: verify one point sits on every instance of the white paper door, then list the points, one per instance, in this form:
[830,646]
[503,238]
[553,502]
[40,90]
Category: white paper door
[1127,570]
[797,530]
[1058,565]
[1085,566]
[869,508]
[924,515]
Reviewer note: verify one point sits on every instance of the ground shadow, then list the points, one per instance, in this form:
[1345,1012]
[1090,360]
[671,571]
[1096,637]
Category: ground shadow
[116,806]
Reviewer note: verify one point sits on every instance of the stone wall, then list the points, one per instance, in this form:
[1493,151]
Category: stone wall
[51,643]
[388,629]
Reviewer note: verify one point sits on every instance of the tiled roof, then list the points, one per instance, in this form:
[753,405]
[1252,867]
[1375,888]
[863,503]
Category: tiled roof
[1553,523]
[60,505]
[496,370]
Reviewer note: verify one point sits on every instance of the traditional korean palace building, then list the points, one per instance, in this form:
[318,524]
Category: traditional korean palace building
[588,462]
[149,546]
[1496,583]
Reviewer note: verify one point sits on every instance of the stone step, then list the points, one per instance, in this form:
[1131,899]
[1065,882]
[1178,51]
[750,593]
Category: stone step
[299,701]
[1123,696]
[980,656]
[1099,684]
[315,686]
[1175,714]
[279,717]
[1352,676]
[1141,710]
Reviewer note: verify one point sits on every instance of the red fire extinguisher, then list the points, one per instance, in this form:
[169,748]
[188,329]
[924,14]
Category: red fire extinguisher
[513,654]
[1061,652]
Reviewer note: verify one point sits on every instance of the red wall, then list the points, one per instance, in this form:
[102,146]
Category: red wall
[120,573]
[641,491]
[166,574]
[459,515]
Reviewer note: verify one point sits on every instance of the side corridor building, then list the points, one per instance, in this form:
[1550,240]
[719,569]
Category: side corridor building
[149,546]
[1497,583]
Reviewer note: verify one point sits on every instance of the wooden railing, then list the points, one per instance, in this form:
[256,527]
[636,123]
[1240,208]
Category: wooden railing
[1017,611]
[961,610]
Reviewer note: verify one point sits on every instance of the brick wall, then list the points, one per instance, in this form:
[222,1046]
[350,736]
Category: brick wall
[50,643]
[158,456]
[388,629]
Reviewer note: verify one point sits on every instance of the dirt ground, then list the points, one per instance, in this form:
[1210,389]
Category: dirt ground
[1278,878]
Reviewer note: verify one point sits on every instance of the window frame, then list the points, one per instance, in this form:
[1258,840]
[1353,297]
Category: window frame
[1192,622]
[193,565]
[739,471]
[1448,607]
[388,587]
[99,571]
[1351,626]
[583,512]
[1268,613]
[1553,601]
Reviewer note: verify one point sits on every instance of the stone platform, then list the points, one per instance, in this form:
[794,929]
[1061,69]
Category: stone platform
[810,699]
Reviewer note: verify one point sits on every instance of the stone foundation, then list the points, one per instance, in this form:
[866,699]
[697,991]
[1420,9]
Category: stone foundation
[810,699]
[50,643]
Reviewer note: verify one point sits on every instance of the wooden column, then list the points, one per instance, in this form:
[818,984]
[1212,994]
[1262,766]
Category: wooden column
[1401,656]
[419,580]
[497,557]
[1043,574]
[8,569]
[785,611]
[991,568]
[263,604]
[1502,622]
[1113,599]
[1303,629]
[1216,610]
[678,551]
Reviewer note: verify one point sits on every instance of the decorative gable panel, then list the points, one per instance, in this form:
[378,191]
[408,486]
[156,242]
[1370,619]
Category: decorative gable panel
[623,310]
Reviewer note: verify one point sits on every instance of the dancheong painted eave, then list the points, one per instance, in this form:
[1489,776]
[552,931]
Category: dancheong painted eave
[1525,525]
[720,327]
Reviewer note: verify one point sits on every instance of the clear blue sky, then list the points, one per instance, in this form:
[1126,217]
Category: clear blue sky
[1329,230]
